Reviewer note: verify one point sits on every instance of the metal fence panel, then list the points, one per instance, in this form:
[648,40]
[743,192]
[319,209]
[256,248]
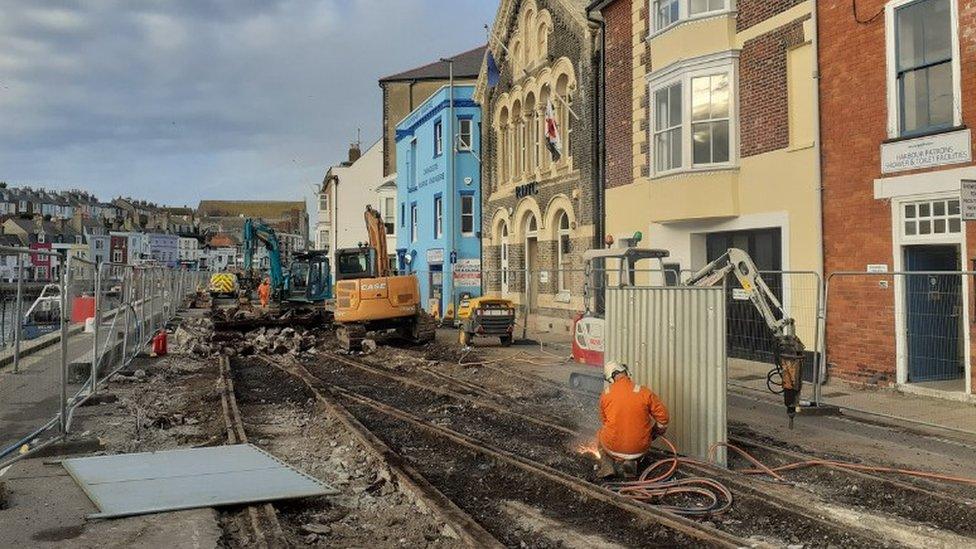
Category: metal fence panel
[674,341]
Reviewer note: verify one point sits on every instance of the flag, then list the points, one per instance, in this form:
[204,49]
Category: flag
[493,73]
[553,142]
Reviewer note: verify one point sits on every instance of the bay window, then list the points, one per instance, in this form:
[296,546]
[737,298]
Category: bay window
[693,114]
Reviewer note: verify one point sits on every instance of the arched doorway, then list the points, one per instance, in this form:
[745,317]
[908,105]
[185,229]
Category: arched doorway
[504,259]
[531,260]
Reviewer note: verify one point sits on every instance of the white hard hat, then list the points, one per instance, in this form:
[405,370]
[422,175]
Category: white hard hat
[611,368]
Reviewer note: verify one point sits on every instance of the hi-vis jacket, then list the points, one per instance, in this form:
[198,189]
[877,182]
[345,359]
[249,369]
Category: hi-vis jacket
[628,413]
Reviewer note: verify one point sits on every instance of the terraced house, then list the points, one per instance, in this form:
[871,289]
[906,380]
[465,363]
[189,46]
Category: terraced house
[711,140]
[539,208]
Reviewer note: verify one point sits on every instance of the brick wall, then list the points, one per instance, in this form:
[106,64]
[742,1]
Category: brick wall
[857,228]
[619,92]
[752,12]
[763,95]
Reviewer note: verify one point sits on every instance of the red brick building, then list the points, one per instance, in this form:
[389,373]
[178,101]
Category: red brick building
[897,105]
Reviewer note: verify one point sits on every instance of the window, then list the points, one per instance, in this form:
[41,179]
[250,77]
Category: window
[323,239]
[116,256]
[413,223]
[438,138]
[403,214]
[693,113]
[465,137]
[467,214]
[438,217]
[932,218]
[665,13]
[710,119]
[323,202]
[667,128]
[698,7]
[669,12]
[389,214]
[923,50]
[504,258]
[562,253]
[412,168]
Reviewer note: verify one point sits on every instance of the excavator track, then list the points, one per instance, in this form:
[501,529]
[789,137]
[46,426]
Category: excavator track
[351,336]
[424,328]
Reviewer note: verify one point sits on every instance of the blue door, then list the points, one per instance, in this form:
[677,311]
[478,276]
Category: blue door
[933,311]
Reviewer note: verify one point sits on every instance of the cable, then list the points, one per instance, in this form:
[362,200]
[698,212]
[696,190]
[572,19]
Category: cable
[657,482]
[867,21]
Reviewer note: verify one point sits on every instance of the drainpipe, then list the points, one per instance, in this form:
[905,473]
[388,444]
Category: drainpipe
[818,154]
[599,137]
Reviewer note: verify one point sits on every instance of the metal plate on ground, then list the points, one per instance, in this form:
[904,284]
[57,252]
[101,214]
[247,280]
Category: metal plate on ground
[153,482]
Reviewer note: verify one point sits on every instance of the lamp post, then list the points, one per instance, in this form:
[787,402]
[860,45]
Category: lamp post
[450,191]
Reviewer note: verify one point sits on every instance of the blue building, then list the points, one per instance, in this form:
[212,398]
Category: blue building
[439,237]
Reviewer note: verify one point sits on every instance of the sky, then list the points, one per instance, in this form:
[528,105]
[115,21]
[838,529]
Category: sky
[175,101]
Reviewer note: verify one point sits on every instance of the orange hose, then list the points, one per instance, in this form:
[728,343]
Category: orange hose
[762,469]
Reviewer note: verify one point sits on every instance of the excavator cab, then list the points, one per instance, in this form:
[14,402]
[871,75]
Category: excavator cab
[309,279]
[356,263]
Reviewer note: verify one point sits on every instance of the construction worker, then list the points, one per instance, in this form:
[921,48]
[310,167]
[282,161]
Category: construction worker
[264,293]
[632,417]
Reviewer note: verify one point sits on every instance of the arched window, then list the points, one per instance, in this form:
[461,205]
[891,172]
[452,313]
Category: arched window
[562,112]
[531,134]
[545,159]
[517,141]
[542,41]
[564,248]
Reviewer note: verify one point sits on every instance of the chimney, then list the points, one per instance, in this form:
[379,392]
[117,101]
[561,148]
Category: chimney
[76,221]
[354,152]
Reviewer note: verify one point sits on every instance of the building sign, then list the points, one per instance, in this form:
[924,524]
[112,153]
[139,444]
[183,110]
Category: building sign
[967,199]
[877,268]
[528,189]
[739,294]
[435,255]
[467,273]
[926,152]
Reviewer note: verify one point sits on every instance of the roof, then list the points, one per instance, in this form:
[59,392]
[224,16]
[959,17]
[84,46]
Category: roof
[11,240]
[466,65]
[267,209]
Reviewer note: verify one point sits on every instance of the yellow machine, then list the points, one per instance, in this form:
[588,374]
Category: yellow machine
[486,317]
[223,284]
[370,298]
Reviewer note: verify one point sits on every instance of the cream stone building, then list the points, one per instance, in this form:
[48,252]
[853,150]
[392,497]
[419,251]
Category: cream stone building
[712,136]
[539,212]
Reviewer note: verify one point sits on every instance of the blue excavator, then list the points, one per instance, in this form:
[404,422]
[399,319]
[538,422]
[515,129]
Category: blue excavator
[307,280]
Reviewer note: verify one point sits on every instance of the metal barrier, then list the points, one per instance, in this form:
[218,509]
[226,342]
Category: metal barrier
[900,327]
[99,318]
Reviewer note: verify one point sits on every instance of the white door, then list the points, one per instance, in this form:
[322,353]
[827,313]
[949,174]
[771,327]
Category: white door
[504,260]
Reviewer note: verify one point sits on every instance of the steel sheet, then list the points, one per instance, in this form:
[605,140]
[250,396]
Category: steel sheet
[674,342]
[151,482]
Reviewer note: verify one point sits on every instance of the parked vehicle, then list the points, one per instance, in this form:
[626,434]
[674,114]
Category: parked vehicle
[486,316]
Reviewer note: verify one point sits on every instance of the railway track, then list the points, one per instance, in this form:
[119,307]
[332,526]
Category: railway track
[262,518]
[542,482]
[831,503]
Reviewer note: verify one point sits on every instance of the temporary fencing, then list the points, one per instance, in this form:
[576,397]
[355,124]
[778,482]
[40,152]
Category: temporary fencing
[80,329]
[900,327]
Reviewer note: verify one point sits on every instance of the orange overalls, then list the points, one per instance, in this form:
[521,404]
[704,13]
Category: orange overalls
[628,413]
[264,293]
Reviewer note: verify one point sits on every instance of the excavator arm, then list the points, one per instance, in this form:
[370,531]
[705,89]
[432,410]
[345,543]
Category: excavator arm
[377,240]
[257,232]
[789,348]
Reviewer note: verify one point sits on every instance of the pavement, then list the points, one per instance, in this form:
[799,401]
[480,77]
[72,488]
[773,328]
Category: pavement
[47,509]
[30,398]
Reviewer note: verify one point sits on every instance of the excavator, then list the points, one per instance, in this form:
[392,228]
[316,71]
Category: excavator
[306,281]
[371,298]
[588,340]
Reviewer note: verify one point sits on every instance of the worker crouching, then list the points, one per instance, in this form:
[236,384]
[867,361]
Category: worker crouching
[632,417]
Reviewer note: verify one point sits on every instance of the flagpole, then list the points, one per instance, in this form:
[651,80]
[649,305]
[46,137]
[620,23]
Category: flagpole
[524,70]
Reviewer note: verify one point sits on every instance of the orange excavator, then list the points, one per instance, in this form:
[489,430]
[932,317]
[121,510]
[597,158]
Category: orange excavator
[371,298]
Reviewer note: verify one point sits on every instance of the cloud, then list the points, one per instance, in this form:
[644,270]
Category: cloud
[176,101]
